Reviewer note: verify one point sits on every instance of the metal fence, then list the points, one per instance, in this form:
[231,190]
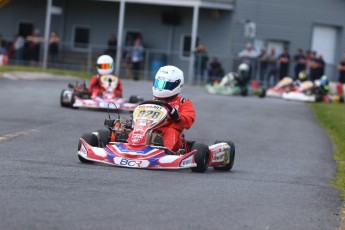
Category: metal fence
[84,60]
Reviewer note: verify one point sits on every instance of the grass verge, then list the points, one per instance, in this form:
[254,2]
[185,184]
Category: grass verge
[332,118]
[11,68]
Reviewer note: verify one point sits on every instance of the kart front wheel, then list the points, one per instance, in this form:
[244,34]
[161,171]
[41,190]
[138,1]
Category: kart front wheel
[92,140]
[228,166]
[104,137]
[62,102]
[201,157]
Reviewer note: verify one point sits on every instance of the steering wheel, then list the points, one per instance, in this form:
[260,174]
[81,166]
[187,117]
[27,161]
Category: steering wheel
[160,103]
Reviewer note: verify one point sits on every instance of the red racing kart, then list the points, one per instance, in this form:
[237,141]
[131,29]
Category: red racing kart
[145,149]
[78,97]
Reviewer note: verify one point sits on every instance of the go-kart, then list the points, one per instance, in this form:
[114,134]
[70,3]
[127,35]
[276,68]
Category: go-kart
[283,86]
[303,91]
[77,96]
[230,86]
[144,148]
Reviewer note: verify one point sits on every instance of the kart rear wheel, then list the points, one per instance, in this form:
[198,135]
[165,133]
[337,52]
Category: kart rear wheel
[228,166]
[104,137]
[201,157]
[62,103]
[135,99]
[92,140]
[244,92]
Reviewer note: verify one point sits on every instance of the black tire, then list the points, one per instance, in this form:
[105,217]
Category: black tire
[63,104]
[104,136]
[72,101]
[91,140]
[135,99]
[261,93]
[229,166]
[244,92]
[201,157]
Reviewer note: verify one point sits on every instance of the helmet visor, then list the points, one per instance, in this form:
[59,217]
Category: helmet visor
[167,85]
[105,66]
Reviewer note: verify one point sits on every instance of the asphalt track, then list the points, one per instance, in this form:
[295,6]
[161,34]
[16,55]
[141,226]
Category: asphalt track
[280,180]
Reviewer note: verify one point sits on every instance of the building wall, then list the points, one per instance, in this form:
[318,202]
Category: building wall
[291,21]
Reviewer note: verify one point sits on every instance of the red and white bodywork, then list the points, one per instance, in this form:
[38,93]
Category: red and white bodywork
[139,153]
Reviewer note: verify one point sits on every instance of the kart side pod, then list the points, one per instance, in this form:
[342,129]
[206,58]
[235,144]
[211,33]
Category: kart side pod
[220,155]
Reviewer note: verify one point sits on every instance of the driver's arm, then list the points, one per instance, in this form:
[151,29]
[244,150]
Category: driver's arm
[187,115]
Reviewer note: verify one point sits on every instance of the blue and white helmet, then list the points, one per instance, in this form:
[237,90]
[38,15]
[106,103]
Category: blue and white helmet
[168,82]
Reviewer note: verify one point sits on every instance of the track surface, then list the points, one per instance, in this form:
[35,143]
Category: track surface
[280,179]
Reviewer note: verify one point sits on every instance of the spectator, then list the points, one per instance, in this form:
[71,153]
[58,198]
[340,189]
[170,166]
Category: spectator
[34,47]
[284,63]
[312,64]
[247,55]
[341,69]
[300,63]
[3,44]
[112,45]
[263,60]
[18,46]
[137,56]
[320,67]
[200,62]
[272,66]
[54,41]
[215,71]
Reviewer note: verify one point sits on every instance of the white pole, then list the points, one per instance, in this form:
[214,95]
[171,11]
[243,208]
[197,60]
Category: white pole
[193,43]
[119,37]
[46,33]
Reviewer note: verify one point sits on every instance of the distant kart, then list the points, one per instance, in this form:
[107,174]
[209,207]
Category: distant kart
[77,96]
[144,148]
[283,86]
[309,92]
[229,86]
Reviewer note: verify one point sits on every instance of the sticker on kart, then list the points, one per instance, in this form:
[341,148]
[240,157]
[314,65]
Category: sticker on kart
[148,112]
[131,162]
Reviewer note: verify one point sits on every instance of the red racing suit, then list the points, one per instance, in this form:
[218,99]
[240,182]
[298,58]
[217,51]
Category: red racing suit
[172,131]
[97,88]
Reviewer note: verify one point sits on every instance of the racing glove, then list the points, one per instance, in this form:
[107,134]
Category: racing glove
[174,115]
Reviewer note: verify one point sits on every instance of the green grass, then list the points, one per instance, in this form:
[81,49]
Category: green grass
[83,75]
[332,118]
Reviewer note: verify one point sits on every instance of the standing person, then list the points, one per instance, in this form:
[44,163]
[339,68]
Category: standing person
[320,67]
[54,41]
[341,69]
[166,87]
[215,71]
[272,67]
[137,56]
[112,45]
[312,64]
[248,56]
[263,62]
[284,63]
[34,47]
[201,62]
[300,63]
[18,46]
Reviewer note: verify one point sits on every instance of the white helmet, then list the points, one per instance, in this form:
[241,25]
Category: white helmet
[168,82]
[243,68]
[243,71]
[105,64]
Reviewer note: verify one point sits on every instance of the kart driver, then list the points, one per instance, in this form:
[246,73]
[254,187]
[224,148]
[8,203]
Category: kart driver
[105,66]
[166,87]
[241,77]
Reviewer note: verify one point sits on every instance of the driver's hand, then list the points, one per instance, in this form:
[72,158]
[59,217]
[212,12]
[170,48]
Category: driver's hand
[174,115]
